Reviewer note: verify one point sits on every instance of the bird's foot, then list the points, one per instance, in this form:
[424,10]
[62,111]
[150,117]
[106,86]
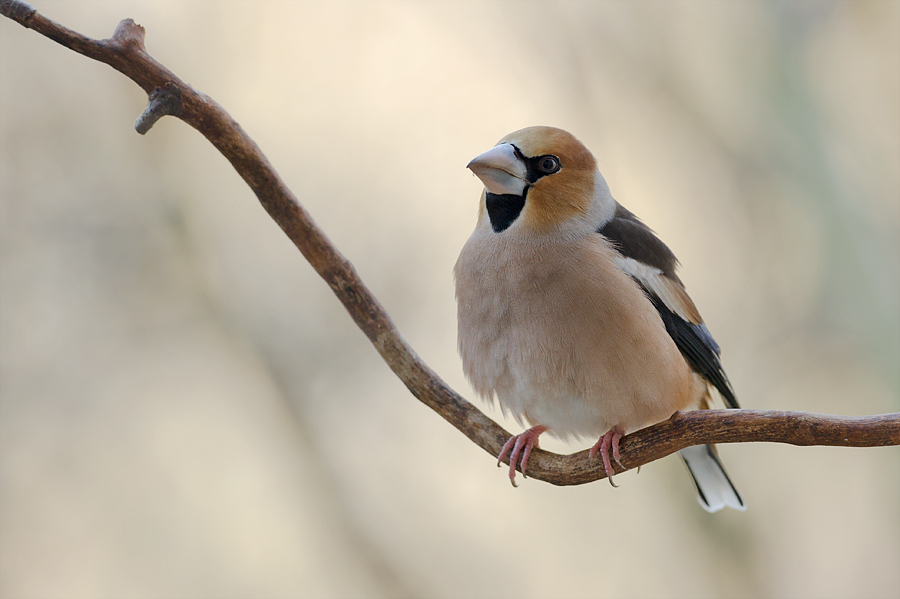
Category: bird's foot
[603,445]
[520,445]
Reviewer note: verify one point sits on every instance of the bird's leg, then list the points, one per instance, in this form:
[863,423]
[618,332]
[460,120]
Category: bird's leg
[525,441]
[610,439]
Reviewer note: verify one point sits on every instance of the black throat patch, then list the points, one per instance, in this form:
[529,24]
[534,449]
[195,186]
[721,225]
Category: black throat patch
[503,209]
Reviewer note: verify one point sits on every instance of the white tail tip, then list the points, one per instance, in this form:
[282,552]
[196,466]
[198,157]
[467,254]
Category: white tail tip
[714,489]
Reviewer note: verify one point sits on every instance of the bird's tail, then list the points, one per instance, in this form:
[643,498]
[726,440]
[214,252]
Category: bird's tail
[715,490]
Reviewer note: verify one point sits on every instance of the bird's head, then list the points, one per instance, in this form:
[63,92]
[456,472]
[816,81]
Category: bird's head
[542,181]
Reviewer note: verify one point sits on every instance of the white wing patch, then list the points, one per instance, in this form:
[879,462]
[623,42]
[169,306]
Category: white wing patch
[670,292]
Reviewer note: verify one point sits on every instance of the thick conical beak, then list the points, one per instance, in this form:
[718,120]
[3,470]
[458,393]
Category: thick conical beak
[501,171]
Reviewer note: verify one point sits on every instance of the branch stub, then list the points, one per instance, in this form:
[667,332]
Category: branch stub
[17,11]
[163,100]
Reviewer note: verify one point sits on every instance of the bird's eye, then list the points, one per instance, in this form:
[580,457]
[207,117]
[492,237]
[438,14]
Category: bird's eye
[548,164]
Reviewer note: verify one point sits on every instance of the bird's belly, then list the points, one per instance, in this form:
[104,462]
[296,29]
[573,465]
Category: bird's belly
[543,379]
[576,354]
[564,413]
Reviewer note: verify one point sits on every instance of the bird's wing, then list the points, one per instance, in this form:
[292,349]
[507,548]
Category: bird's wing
[652,264]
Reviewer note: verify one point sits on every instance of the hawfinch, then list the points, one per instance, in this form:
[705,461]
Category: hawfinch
[571,314]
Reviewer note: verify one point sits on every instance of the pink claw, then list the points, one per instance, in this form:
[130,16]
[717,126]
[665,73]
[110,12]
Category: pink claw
[527,441]
[610,439]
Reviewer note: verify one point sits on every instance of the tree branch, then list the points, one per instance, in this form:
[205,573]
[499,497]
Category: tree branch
[168,95]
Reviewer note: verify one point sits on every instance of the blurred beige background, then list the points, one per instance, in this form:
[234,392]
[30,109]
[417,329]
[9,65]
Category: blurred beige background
[187,411]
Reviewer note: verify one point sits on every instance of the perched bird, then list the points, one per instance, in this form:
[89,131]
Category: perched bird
[571,315]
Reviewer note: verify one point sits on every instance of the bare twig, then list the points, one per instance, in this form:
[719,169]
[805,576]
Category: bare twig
[168,95]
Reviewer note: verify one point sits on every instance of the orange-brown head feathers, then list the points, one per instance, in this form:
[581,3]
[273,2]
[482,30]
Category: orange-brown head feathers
[542,181]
